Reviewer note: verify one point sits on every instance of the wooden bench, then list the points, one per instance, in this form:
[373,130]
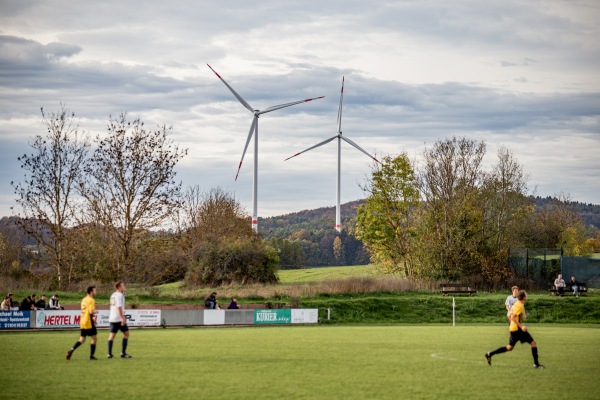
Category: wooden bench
[452,288]
[569,289]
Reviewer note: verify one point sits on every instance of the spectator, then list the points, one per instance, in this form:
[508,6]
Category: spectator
[510,300]
[233,305]
[41,303]
[13,306]
[5,306]
[54,304]
[26,304]
[574,286]
[559,283]
[211,301]
[33,301]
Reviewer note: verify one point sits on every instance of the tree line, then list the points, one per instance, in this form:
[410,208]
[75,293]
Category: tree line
[449,218]
[96,210]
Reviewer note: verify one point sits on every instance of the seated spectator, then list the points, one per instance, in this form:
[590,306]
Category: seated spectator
[559,283]
[41,303]
[26,304]
[211,301]
[13,306]
[574,286]
[54,304]
[34,301]
[5,306]
[233,305]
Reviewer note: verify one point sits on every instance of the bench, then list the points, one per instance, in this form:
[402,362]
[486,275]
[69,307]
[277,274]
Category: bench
[569,289]
[452,288]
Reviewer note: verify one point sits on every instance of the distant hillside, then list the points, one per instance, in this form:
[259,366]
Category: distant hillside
[315,231]
[590,213]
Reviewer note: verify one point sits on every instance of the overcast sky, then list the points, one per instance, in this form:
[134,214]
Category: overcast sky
[522,74]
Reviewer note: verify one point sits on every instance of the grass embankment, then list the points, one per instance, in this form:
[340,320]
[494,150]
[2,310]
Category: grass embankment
[362,295]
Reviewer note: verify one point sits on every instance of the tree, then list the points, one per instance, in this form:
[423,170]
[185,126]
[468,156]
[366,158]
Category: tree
[450,181]
[386,222]
[46,197]
[243,261]
[214,215]
[338,251]
[130,183]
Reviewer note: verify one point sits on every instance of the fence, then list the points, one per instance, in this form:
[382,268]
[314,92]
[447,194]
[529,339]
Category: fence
[61,319]
[541,266]
[584,269]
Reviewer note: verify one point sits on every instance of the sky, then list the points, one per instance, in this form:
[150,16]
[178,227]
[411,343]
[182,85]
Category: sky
[520,74]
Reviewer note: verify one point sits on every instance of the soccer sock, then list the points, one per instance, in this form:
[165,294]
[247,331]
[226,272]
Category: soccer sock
[76,345]
[499,350]
[92,349]
[110,343]
[534,352]
[124,346]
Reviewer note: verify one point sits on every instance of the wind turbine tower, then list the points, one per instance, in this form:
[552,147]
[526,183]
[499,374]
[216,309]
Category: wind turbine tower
[339,137]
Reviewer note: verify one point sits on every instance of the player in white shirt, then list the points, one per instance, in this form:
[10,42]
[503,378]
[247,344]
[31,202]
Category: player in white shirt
[117,320]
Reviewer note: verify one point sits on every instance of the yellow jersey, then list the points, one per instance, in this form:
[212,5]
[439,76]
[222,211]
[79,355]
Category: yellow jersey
[88,305]
[517,311]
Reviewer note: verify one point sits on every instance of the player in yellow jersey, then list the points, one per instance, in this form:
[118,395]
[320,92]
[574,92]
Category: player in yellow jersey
[88,328]
[518,332]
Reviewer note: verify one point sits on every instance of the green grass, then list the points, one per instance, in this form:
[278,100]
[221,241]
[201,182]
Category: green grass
[319,362]
[326,273]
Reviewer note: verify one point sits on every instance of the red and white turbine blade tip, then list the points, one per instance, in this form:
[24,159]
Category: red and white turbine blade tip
[211,68]
[238,171]
[297,154]
[314,98]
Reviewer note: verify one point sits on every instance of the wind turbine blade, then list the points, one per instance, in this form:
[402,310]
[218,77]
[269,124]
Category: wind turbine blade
[310,148]
[358,147]
[244,103]
[252,128]
[339,117]
[273,108]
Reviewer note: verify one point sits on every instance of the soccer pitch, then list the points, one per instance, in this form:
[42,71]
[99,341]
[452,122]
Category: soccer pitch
[306,362]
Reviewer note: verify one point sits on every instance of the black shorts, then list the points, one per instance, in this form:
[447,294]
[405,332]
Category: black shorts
[89,332]
[116,327]
[519,336]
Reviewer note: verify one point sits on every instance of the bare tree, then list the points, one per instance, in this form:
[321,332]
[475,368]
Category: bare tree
[215,214]
[47,195]
[450,182]
[130,183]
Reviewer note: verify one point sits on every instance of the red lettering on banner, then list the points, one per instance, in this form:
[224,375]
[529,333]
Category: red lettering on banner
[77,319]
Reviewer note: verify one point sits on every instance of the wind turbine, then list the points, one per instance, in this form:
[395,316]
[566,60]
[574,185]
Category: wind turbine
[339,137]
[254,130]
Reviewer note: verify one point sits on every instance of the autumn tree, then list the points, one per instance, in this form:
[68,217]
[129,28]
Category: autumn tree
[130,181]
[47,194]
[386,222]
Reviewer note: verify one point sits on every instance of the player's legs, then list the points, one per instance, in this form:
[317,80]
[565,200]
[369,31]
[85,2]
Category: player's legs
[125,330]
[75,346]
[114,328]
[534,353]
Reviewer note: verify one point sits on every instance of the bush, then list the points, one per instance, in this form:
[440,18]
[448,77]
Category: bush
[245,260]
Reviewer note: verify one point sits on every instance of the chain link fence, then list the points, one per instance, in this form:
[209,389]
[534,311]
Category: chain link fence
[541,266]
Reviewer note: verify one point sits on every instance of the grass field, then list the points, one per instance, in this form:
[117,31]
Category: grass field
[316,362]
[325,273]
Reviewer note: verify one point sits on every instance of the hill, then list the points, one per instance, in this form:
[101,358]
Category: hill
[314,231]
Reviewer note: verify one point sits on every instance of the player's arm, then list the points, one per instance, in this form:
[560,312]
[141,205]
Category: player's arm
[121,314]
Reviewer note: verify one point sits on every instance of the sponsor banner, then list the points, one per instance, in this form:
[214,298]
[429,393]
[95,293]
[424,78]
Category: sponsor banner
[15,319]
[72,318]
[305,316]
[277,316]
[214,317]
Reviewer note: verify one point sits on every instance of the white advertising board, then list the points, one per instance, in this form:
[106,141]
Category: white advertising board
[71,318]
[305,315]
